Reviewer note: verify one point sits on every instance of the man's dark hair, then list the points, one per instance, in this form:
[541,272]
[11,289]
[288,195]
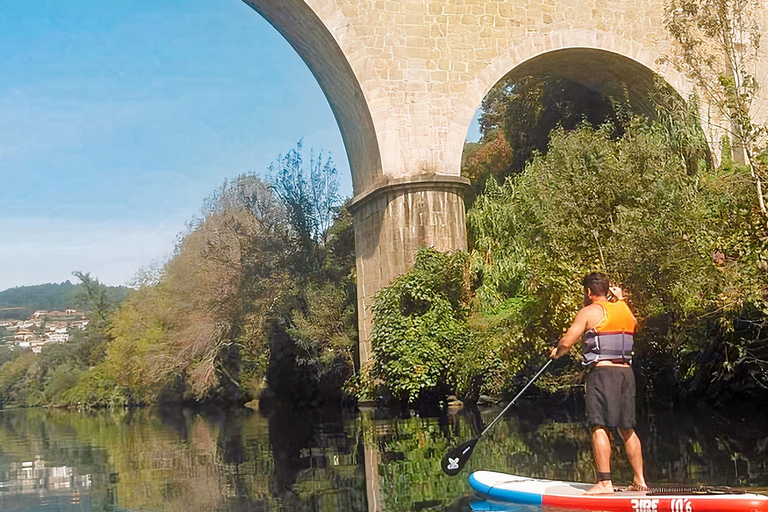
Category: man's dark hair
[597,282]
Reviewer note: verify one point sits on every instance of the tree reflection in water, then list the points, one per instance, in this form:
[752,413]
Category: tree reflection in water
[295,460]
[549,439]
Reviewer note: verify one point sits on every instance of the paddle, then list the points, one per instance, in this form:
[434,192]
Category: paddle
[454,460]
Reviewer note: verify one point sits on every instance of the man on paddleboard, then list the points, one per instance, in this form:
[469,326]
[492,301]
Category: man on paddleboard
[608,329]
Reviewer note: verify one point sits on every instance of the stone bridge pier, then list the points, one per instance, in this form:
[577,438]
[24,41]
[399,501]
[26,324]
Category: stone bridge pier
[405,77]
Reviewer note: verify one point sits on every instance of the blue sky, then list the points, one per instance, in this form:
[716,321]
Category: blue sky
[117,118]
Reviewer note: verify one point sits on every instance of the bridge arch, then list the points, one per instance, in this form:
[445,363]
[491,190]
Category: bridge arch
[617,68]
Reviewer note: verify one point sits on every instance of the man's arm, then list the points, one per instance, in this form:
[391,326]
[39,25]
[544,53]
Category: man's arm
[572,335]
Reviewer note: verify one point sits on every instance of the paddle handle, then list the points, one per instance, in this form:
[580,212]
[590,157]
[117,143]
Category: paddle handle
[515,399]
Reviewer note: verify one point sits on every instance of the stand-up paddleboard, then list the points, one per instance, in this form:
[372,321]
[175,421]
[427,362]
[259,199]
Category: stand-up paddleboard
[570,495]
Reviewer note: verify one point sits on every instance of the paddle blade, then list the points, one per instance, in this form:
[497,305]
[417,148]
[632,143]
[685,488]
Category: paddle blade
[454,460]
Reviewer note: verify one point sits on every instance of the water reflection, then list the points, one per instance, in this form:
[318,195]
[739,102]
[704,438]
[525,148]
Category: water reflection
[337,460]
[36,481]
[484,506]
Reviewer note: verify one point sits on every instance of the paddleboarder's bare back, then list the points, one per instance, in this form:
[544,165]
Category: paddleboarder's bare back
[608,329]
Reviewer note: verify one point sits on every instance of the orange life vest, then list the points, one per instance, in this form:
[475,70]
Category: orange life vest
[613,337]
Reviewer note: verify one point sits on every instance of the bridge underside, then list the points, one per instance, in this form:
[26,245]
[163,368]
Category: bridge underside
[608,74]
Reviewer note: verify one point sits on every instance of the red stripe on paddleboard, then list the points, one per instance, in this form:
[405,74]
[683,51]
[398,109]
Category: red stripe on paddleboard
[724,503]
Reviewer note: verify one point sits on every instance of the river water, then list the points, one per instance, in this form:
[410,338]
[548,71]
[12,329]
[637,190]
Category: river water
[340,459]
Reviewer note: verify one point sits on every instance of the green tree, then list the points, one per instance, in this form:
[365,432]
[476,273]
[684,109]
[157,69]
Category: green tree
[420,336]
[100,303]
[324,327]
[518,115]
[310,196]
[313,332]
[717,45]
[15,378]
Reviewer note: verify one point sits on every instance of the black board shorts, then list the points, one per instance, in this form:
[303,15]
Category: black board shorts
[610,397]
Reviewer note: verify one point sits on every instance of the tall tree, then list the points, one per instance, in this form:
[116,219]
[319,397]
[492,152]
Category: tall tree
[194,321]
[96,298]
[716,46]
[310,194]
[231,269]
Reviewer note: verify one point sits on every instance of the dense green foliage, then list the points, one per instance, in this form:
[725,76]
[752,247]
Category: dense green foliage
[426,343]
[518,116]
[686,242]
[420,330]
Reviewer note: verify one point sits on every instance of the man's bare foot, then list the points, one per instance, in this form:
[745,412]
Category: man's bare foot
[602,487]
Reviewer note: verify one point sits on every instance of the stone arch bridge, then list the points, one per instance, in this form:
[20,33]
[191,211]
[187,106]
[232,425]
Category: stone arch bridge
[405,77]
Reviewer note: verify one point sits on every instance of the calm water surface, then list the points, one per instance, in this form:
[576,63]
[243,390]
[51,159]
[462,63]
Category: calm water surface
[339,460]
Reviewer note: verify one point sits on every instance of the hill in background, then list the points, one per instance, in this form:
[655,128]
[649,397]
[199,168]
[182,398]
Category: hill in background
[49,297]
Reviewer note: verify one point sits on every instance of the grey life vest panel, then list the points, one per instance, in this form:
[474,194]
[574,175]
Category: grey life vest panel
[607,346]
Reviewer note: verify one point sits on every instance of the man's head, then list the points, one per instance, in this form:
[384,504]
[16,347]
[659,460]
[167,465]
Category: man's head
[595,285]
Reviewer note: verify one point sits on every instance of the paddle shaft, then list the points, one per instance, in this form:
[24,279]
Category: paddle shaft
[454,460]
[514,399]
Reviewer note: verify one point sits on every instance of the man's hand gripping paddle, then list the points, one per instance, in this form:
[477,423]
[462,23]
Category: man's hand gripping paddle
[455,460]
